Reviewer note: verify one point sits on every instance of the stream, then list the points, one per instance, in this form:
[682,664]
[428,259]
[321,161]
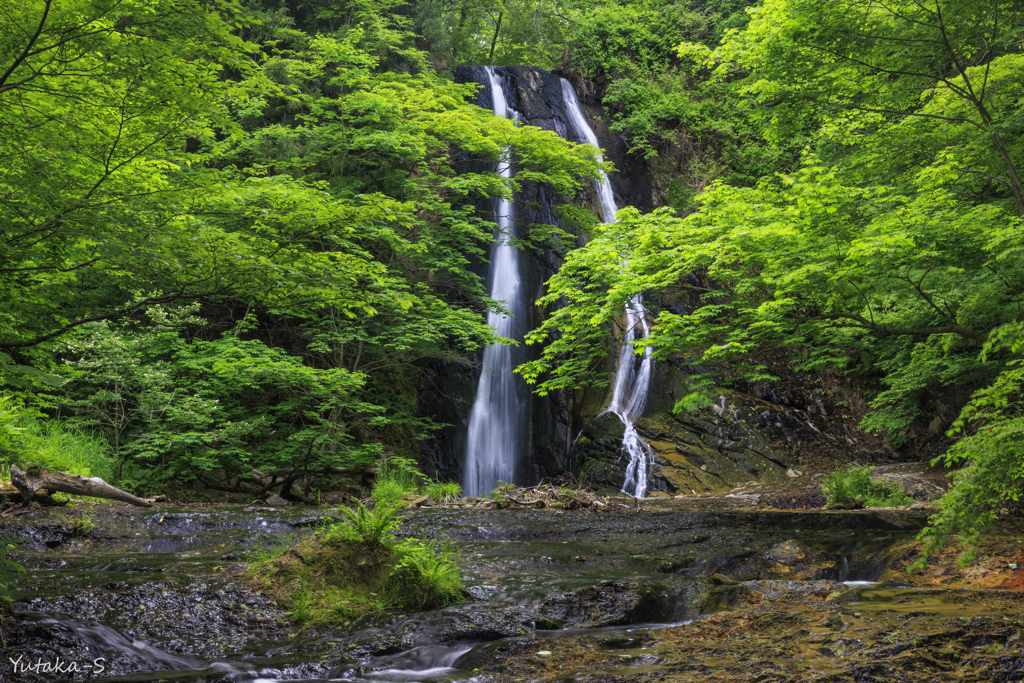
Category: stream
[147,596]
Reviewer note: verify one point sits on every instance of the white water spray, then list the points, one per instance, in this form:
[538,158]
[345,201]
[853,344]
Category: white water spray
[629,394]
[497,430]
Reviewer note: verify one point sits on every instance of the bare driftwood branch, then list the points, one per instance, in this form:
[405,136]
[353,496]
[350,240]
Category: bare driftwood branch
[39,479]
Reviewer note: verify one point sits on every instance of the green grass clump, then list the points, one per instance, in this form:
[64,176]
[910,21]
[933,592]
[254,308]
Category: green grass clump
[395,477]
[444,492]
[28,438]
[386,492]
[358,565]
[843,487]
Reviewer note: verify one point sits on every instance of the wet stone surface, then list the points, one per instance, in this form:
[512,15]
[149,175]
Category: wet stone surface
[673,590]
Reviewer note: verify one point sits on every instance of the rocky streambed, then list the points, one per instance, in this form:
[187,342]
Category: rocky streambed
[709,589]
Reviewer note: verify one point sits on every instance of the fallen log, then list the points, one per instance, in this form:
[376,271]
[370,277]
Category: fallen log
[37,479]
[317,471]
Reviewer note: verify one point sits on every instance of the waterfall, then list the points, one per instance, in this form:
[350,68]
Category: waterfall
[497,429]
[629,394]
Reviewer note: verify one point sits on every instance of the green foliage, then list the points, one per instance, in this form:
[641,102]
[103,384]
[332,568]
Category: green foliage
[396,476]
[494,31]
[7,570]
[359,565]
[693,129]
[28,438]
[84,525]
[191,407]
[502,490]
[269,551]
[420,575]
[386,491]
[12,439]
[362,524]
[97,101]
[424,575]
[844,486]
[444,492]
[990,453]
[635,40]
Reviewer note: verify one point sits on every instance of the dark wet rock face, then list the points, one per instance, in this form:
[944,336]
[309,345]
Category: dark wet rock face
[737,441]
[202,619]
[609,604]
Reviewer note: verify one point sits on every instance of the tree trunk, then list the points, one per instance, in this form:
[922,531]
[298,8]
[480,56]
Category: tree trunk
[494,41]
[37,478]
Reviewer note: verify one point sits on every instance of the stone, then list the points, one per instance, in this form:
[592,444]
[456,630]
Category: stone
[418,501]
[335,497]
[922,482]
[607,604]
[856,504]
[276,500]
[787,553]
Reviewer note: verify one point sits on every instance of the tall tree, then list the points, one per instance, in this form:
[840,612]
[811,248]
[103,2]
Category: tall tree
[98,101]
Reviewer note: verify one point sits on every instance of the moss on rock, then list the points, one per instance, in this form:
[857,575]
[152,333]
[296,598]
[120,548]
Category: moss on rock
[338,574]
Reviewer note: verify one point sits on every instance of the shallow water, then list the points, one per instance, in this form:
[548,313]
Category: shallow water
[152,593]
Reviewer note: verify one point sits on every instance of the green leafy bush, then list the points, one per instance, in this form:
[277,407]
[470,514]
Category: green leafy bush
[843,487]
[247,404]
[990,453]
[385,492]
[424,575]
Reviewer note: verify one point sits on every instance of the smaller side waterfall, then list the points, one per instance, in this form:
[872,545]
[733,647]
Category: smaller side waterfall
[497,430]
[629,395]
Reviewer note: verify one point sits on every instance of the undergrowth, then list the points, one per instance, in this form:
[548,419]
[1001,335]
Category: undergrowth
[845,487]
[396,476]
[7,570]
[444,492]
[28,438]
[359,565]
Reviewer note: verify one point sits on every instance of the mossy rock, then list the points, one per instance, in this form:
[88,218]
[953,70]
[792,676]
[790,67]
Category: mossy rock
[328,579]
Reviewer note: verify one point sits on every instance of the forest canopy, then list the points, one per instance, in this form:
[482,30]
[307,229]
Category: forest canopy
[233,234]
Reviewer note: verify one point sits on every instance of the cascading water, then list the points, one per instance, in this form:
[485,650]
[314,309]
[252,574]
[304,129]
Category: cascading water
[629,394]
[497,430]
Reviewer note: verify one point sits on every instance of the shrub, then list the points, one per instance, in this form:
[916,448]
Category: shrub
[843,487]
[990,455]
[424,575]
[444,491]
